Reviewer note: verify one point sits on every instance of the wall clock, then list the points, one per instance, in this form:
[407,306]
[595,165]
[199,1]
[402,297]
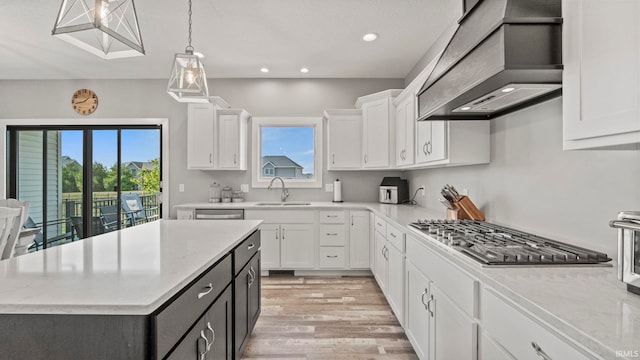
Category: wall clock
[84,101]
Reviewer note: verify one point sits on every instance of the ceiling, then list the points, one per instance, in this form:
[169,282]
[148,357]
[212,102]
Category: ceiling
[237,37]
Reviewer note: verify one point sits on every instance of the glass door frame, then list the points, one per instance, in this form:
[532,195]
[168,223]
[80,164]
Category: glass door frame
[8,184]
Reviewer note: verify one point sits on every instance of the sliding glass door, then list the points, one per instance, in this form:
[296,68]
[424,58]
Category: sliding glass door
[82,181]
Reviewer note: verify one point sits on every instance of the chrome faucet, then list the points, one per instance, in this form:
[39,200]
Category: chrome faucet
[285,192]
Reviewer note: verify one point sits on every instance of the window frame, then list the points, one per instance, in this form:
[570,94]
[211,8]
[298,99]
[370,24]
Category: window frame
[257,123]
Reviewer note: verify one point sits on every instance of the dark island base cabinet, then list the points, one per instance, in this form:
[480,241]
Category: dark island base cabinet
[246,291]
[197,323]
[210,338]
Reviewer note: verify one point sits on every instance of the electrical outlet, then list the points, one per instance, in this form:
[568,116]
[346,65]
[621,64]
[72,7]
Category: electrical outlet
[244,188]
[423,190]
[465,192]
[328,187]
[181,187]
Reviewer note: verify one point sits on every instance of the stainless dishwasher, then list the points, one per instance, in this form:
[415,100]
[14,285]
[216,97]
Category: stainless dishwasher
[219,214]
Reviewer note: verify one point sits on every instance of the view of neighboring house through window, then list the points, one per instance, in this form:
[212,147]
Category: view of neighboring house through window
[83,181]
[289,148]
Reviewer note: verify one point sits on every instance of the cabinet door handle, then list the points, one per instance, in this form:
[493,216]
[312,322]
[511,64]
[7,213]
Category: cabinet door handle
[213,336]
[203,354]
[424,293]
[424,148]
[365,158]
[430,147]
[541,354]
[234,158]
[429,309]
[209,288]
[351,220]
[251,246]
[210,158]
[282,234]
[333,159]
[252,276]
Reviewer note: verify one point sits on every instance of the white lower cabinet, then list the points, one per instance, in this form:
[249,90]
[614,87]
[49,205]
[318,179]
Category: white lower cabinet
[520,335]
[297,246]
[380,260]
[270,246]
[437,325]
[290,245]
[454,333]
[388,267]
[418,317]
[489,350]
[359,239]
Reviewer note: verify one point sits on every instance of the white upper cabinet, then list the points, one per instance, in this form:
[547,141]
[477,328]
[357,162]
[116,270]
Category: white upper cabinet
[601,76]
[452,143]
[378,129]
[431,141]
[344,139]
[405,130]
[232,139]
[201,125]
[216,136]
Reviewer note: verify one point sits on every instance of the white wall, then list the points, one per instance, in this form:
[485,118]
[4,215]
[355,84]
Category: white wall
[533,185]
[148,99]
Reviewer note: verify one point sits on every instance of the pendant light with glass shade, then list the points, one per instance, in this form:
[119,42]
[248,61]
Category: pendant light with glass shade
[188,81]
[106,28]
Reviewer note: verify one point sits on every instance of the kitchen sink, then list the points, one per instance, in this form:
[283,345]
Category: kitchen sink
[290,203]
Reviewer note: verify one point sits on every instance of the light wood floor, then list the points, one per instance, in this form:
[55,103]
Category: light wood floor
[326,318]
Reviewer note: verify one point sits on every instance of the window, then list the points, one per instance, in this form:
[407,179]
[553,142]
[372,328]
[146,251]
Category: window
[290,148]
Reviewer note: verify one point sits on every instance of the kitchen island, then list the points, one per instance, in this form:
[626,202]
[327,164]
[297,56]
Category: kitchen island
[129,294]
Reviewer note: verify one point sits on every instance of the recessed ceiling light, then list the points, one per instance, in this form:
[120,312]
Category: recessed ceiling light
[370,37]
[264,70]
[198,54]
[466,108]
[304,70]
[509,89]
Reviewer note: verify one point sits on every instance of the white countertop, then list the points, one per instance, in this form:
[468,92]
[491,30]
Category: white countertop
[132,271]
[587,305]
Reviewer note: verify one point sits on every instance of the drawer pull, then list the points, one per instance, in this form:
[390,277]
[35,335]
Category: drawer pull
[332,234]
[332,256]
[332,216]
[541,354]
[209,288]
[251,246]
[378,224]
[393,235]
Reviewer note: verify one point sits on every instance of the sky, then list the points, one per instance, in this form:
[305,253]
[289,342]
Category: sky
[294,142]
[137,145]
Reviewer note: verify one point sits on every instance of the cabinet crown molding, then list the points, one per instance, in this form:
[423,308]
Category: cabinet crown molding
[391,93]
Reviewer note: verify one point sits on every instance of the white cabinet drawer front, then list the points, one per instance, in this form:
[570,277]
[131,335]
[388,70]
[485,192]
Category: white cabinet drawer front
[396,237]
[332,217]
[459,286]
[332,257]
[516,332]
[380,225]
[282,216]
[332,235]
[489,350]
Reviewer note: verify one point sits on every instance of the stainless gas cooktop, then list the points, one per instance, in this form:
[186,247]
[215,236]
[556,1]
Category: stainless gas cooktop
[495,245]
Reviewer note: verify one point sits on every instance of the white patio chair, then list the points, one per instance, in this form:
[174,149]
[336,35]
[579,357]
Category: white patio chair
[12,240]
[9,228]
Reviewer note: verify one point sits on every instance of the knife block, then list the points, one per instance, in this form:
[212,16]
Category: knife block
[467,209]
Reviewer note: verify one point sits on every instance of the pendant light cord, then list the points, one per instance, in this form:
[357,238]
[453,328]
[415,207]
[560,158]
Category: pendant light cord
[189,47]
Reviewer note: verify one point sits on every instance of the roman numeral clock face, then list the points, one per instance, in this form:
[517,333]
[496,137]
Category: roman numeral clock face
[84,101]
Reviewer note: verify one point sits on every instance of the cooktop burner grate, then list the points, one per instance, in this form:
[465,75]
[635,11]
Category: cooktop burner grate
[493,244]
